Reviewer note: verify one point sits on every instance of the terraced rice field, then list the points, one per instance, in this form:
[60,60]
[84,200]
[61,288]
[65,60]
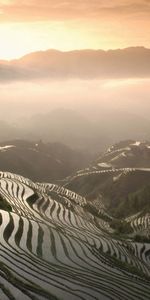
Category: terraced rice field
[51,249]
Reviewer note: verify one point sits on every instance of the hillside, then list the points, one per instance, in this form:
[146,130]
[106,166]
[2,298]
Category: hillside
[119,179]
[132,154]
[40,161]
[53,247]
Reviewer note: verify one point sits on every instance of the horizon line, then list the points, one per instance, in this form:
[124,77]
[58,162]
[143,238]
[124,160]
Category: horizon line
[73,50]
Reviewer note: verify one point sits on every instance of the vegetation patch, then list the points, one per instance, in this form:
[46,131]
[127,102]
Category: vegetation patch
[4,205]
[133,203]
[141,238]
[121,226]
[130,268]
[33,198]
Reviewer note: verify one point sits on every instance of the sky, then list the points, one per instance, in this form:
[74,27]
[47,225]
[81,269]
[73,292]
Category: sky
[31,25]
[49,80]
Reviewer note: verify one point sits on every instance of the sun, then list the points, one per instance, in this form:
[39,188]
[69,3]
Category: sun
[18,39]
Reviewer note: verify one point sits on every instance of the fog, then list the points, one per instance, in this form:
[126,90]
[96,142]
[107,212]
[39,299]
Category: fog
[88,114]
[89,97]
[85,99]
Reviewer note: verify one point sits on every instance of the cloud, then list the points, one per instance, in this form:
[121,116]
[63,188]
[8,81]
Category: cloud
[131,62]
[38,10]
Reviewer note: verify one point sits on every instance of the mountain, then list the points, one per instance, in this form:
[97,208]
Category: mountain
[127,124]
[54,247]
[86,131]
[82,131]
[119,179]
[40,161]
[14,131]
[69,127]
[86,64]
[132,154]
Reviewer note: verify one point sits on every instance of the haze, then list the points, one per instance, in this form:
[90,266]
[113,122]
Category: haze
[26,99]
[45,68]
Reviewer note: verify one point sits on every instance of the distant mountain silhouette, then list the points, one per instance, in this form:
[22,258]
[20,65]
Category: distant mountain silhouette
[86,64]
[71,128]
[78,130]
[93,134]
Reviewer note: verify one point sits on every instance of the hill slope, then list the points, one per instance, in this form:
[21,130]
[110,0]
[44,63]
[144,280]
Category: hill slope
[53,248]
[40,161]
[119,179]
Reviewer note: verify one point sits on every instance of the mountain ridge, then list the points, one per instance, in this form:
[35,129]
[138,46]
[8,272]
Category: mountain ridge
[133,62]
[88,50]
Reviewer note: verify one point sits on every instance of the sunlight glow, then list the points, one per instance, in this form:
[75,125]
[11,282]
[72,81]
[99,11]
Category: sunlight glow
[18,39]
